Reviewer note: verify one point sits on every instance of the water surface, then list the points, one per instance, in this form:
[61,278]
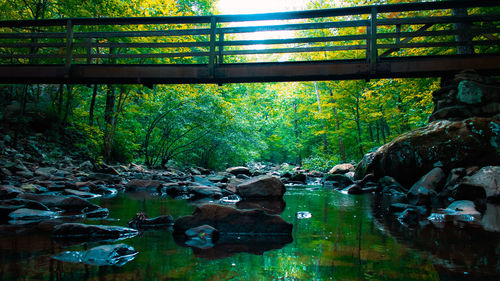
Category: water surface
[340,241]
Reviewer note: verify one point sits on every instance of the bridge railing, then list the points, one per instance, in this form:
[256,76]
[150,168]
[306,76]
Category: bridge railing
[370,33]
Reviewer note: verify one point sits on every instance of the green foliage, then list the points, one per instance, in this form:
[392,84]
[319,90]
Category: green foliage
[316,124]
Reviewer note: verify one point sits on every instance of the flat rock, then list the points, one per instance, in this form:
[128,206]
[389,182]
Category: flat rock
[230,220]
[79,230]
[68,203]
[137,184]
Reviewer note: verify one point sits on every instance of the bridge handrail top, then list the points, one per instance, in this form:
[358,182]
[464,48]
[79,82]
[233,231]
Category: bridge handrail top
[388,8]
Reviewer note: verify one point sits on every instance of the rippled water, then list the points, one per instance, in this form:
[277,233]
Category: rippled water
[341,240]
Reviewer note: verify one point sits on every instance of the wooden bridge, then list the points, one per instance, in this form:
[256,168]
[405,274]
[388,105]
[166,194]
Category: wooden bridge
[387,41]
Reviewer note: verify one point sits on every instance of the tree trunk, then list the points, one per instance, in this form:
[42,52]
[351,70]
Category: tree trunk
[69,99]
[358,126]
[323,127]
[109,121]
[92,105]
[60,102]
[297,134]
[337,124]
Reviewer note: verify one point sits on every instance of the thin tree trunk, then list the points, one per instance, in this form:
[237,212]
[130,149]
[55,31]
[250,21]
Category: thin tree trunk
[297,133]
[337,124]
[108,121]
[323,127]
[60,102]
[358,126]
[69,99]
[92,105]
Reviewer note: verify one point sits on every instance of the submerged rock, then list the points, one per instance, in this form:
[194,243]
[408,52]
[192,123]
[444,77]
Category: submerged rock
[144,223]
[25,215]
[105,255]
[79,230]
[463,211]
[230,220]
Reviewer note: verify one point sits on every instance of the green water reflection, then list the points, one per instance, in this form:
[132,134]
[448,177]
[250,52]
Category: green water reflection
[339,242]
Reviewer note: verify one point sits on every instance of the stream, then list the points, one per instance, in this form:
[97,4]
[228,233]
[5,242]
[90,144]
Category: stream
[335,237]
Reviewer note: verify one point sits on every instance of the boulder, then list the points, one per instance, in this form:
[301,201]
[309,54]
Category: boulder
[337,181]
[239,170]
[230,220]
[427,187]
[455,144]
[260,187]
[298,178]
[487,178]
[139,184]
[409,217]
[342,169]
[199,192]
[105,255]
[80,230]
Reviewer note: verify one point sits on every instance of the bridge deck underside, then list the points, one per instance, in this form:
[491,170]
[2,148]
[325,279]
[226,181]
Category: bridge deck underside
[249,72]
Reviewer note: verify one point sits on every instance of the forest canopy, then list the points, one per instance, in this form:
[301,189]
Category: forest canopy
[315,124]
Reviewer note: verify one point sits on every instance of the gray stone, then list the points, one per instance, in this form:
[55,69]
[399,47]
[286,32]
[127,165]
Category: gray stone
[342,169]
[469,92]
[239,170]
[488,178]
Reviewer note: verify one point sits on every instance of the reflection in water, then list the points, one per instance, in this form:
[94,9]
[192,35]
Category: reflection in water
[458,251]
[340,241]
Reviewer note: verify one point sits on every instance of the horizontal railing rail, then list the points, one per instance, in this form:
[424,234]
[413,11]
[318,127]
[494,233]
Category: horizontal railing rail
[371,33]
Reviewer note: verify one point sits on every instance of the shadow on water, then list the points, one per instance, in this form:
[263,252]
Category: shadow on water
[339,238]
